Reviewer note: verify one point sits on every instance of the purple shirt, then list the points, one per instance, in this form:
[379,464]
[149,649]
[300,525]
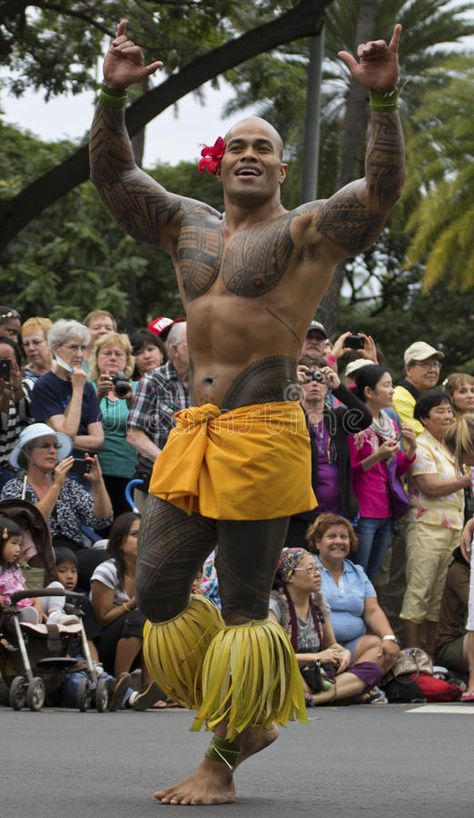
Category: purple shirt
[327,490]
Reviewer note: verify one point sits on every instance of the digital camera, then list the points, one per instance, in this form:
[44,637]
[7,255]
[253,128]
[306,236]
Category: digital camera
[121,384]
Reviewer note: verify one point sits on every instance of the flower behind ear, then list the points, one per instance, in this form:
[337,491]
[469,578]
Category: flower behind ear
[212,156]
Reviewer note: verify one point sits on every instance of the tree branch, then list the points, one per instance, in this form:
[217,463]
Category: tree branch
[304,20]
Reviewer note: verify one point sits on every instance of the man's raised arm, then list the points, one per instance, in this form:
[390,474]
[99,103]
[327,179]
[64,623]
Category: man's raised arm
[353,218]
[141,206]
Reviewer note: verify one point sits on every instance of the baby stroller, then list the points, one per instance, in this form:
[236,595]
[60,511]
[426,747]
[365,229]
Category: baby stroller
[35,660]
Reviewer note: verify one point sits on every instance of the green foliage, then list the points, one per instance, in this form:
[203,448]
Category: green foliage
[441,179]
[75,258]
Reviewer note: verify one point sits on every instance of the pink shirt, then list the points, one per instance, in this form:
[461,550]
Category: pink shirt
[11,580]
[371,487]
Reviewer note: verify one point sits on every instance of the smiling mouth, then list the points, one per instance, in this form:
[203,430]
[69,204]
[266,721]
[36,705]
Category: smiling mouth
[248,172]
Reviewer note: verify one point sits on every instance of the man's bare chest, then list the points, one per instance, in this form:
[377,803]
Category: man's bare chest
[251,264]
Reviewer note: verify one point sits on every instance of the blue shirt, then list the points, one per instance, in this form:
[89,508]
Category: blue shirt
[346,600]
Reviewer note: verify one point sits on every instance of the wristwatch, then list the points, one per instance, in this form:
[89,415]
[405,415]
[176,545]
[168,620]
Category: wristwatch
[389,637]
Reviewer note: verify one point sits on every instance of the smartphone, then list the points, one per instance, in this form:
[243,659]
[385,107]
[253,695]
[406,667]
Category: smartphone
[81,466]
[5,369]
[354,342]
[63,364]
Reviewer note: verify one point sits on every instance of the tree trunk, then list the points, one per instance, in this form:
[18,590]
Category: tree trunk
[304,20]
[352,156]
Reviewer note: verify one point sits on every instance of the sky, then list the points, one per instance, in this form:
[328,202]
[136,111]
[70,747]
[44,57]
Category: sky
[175,134]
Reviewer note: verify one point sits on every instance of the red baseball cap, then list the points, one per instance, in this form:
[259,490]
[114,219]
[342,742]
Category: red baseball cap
[162,325]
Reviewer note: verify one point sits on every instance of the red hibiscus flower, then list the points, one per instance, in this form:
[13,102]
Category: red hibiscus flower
[212,156]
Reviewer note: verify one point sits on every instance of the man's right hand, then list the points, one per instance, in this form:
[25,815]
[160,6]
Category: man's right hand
[124,63]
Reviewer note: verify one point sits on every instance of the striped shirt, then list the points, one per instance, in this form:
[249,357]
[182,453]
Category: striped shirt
[12,422]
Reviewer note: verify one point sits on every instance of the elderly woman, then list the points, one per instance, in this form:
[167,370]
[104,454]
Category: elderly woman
[110,367]
[302,611]
[350,594]
[436,517]
[43,455]
[148,350]
[63,398]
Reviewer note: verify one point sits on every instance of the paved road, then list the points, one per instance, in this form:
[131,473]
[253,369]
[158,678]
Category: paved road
[376,761]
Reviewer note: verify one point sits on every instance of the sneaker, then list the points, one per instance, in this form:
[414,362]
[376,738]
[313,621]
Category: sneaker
[147,696]
[118,689]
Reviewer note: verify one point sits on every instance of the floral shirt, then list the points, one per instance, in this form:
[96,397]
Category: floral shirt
[433,458]
[74,507]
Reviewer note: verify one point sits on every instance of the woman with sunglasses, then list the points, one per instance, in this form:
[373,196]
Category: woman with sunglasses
[299,607]
[44,458]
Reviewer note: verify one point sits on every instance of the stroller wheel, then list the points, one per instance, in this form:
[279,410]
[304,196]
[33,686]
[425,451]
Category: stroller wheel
[35,694]
[17,693]
[84,695]
[102,695]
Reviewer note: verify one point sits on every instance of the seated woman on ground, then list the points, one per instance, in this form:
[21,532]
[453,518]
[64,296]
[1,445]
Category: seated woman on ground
[349,593]
[43,455]
[300,608]
[120,640]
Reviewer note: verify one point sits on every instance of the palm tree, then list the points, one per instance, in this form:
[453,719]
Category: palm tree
[441,179]
[276,85]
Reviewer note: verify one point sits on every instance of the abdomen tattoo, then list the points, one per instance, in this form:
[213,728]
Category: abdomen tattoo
[265,380]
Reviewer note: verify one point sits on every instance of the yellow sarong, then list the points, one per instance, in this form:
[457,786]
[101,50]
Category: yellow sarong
[253,463]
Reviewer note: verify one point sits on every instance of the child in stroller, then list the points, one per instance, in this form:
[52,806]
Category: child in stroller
[36,659]
[11,575]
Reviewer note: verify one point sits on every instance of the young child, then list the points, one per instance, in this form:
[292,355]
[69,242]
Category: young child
[66,571]
[11,575]
[121,694]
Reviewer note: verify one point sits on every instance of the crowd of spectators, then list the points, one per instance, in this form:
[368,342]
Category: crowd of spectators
[84,409]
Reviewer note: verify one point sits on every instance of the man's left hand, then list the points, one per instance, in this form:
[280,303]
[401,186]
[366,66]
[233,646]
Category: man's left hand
[378,68]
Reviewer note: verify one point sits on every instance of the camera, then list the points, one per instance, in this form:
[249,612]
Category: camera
[5,369]
[354,342]
[80,466]
[121,384]
[315,375]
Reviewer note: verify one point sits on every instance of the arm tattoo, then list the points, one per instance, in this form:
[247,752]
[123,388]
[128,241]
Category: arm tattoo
[268,379]
[141,206]
[354,217]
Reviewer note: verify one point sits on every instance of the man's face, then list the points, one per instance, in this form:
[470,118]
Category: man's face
[424,375]
[252,169]
[100,326]
[315,341]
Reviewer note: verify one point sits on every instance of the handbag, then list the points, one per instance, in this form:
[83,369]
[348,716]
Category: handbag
[315,677]
[411,661]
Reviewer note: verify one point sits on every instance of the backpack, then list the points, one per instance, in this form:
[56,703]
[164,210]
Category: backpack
[437,690]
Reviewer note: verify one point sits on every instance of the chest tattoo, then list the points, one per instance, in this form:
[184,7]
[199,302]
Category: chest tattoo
[199,253]
[257,259]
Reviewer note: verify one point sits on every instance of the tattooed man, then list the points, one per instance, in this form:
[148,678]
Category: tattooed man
[232,470]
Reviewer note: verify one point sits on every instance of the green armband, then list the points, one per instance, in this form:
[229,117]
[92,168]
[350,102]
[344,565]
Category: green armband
[112,97]
[386,102]
[222,750]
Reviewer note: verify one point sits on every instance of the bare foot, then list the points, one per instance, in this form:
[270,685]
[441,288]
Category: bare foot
[212,783]
[255,739]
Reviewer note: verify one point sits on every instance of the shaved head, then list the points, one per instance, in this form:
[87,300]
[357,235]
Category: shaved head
[258,124]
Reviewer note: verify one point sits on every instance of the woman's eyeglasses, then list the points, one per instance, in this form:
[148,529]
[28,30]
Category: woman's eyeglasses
[311,570]
[47,446]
